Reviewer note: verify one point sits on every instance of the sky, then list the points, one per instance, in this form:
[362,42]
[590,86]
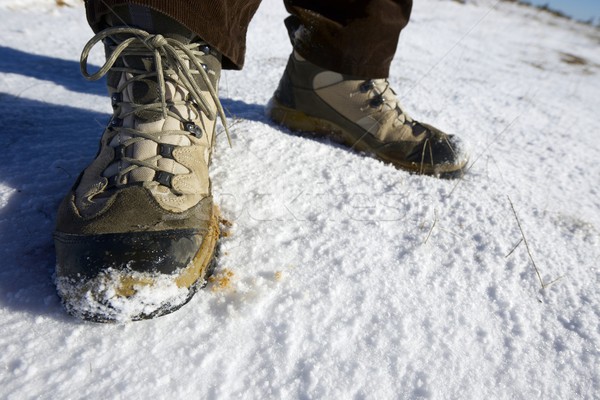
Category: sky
[579,9]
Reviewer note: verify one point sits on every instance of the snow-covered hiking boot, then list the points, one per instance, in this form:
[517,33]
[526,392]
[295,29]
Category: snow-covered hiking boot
[137,233]
[364,115]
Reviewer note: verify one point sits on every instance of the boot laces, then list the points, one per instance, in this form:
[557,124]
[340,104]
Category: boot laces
[171,58]
[383,98]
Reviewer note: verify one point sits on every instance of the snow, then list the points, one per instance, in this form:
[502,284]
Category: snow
[99,296]
[342,277]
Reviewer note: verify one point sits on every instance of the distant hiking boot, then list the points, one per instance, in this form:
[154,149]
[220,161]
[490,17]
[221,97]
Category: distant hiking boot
[364,115]
[137,233]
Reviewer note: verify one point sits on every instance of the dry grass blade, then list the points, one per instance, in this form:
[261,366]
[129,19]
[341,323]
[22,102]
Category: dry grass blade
[514,248]
[537,271]
[435,219]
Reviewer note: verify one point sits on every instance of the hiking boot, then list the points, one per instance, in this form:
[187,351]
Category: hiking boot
[137,233]
[363,115]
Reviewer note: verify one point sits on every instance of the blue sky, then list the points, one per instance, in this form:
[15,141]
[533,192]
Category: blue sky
[579,9]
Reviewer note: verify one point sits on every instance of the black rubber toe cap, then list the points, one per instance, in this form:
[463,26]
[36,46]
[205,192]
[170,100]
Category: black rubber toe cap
[165,252]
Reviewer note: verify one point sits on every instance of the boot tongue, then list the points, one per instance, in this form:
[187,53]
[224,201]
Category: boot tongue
[155,22]
[144,91]
[147,91]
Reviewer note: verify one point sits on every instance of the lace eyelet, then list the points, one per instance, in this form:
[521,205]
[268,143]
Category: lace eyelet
[115,99]
[164,178]
[367,86]
[116,122]
[120,152]
[377,101]
[112,181]
[166,150]
[193,129]
[205,49]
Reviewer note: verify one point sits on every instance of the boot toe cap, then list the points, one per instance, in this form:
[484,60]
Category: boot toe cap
[134,275]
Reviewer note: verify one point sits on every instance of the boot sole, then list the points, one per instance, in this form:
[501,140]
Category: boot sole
[300,122]
[90,301]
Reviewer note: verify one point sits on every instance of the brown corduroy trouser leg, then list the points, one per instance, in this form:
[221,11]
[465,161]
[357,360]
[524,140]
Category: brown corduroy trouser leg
[355,37]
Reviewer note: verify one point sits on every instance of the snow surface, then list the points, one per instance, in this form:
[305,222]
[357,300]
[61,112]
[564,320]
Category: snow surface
[342,276]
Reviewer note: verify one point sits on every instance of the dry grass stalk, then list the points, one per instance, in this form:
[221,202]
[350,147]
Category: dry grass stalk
[435,219]
[524,240]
